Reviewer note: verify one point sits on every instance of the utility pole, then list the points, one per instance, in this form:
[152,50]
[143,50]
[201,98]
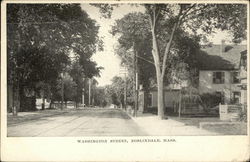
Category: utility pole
[125,89]
[123,71]
[89,91]
[83,97]
[62,92]
[135,80]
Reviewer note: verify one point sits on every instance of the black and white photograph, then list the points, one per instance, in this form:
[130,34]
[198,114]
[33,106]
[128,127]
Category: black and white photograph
[124,69]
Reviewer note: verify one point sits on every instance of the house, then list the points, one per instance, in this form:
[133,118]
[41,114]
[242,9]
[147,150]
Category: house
[243,77]
[39,102]
[171,96]
[220,68]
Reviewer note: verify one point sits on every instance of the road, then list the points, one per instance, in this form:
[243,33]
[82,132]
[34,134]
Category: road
[83,122]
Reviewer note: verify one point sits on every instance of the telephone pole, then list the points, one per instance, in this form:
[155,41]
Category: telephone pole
[135,80]
[125,89]
[89,91]
[62,92]
[123,71]
[83,97]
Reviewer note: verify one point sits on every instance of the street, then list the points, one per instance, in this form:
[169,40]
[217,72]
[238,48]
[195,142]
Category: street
[82,122]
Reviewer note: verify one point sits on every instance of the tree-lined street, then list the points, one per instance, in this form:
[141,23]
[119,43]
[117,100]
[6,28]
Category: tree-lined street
[83,122]
[127,79]
[96,122]
[50,53]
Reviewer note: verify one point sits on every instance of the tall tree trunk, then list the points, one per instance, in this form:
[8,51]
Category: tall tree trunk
[43,100]
[160,101]
[145,96]
[161,66]
[159,77]
[16,100]
[51,103]
[43,104]
[21,99]
[65,104]
[26,103]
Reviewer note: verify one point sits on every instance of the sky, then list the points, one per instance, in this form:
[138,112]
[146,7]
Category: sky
[107,58]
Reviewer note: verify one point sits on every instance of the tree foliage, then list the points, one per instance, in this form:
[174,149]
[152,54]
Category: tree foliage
[114,93]
[41,38]
[168,20]
[134,34]
[174,18]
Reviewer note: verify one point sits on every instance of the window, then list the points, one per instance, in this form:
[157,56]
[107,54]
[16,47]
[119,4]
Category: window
[243,60]
[150,99]
[221,97]
[218,77]
[236,97]
[235,77]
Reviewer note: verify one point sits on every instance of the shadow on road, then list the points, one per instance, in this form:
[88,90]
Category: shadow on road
[47,114]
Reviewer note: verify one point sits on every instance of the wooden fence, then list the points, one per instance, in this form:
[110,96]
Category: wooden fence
[230,112]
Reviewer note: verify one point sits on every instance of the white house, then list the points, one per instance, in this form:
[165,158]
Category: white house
[220,72]
[243,77]
[171,96]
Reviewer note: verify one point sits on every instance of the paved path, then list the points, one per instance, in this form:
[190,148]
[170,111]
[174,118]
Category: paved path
[84,122]
[153,126]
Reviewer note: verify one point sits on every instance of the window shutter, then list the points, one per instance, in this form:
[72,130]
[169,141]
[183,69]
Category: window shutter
[231,77]
[214,77]
[222,77]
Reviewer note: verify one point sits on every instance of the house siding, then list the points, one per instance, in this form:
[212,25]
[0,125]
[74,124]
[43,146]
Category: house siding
[206,84]
[169,98]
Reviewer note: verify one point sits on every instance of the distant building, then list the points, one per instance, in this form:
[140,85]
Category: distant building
[220,69]
[169,97]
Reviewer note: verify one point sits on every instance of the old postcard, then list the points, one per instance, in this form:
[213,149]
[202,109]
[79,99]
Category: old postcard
[124,81]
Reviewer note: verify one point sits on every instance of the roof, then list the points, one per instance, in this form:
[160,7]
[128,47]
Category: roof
[218,57]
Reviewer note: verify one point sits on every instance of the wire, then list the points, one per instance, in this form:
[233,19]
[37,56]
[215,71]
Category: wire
[145,59]
[48,22]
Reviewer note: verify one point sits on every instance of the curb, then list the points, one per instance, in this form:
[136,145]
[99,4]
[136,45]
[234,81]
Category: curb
[131,116]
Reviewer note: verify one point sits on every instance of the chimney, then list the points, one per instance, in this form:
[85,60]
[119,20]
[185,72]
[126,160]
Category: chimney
[222,45]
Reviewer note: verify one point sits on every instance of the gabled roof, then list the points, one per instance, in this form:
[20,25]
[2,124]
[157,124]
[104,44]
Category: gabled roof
[218,57]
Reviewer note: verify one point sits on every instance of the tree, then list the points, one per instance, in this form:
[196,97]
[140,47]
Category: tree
[70,89]
[134,43]
[134,28]
[184,17]
[114,93]
[100,97]
[40,39]
[166,20]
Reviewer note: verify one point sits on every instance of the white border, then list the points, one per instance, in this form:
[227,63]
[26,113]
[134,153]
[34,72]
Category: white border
[186,148]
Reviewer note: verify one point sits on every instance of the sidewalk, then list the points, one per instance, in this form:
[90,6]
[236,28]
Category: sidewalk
[153,126]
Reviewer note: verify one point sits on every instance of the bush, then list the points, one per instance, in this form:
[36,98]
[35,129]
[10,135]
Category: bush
[243,114]
[210,100]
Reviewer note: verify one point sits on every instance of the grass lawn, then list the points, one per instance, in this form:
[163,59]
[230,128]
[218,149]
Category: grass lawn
[223,129]
[226,129]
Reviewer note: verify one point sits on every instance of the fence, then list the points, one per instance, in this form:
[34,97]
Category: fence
[230,112]
[186,108]
[58,105]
